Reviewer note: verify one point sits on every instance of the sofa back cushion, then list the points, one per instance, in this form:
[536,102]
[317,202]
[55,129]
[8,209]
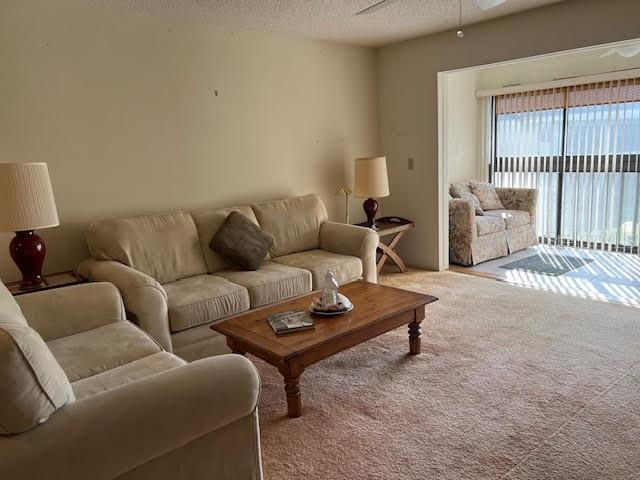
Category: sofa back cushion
[208,222]
[32,383]
[475,201]
[458,189]
[294,223]
[165,247]
[486,193]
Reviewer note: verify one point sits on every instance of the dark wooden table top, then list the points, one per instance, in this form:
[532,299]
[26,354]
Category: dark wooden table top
[373,304]
[56,280]
[390,225]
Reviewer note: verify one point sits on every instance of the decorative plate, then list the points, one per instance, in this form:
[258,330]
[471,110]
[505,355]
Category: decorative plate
[342,299]
[329,313]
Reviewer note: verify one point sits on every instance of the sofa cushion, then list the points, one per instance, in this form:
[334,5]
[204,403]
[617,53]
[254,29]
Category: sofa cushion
[165,247]
[193,335]
[344,267]
[73,309]
[293,223]
[470,197]
[511,218]
[208,222]
[95,351]
[271,283]
[202,299]
[486,193]
[489,224]
[32,383]
[127,373]
[242,241]
[457,189]
[199,342]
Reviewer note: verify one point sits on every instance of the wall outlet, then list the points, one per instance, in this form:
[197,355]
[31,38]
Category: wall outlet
[410,163]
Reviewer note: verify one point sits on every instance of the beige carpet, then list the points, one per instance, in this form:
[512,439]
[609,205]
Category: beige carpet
[513,383]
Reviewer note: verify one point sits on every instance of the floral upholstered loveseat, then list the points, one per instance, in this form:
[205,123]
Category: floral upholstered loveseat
[487,222]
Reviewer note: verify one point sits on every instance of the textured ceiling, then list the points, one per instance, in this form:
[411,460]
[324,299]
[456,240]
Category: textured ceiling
[327,19]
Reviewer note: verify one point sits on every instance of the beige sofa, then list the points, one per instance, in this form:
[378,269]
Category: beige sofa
[102,400]
[176,286]
[477,238]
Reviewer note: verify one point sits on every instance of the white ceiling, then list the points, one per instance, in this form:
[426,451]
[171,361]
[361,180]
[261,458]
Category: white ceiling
[327,19]
[608,58]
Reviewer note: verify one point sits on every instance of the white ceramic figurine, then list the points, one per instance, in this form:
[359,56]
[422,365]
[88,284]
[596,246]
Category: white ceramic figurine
[330,291]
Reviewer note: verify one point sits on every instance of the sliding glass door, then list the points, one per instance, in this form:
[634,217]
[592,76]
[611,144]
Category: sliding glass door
[580,147]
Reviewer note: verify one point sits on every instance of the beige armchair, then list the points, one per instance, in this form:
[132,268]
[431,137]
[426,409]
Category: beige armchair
[125,408]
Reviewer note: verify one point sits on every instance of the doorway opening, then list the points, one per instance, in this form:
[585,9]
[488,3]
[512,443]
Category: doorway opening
[568,126]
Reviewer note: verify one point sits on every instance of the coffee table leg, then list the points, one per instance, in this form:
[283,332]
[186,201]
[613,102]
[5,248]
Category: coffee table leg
[234,347]
[291,373]
[414,331]
[414,338]
[294,402]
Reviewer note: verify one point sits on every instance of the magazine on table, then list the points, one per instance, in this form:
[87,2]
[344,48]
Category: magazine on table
[290,321]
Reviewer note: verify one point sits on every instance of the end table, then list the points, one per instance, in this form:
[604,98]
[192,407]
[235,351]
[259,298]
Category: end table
[56,280]
[386,226]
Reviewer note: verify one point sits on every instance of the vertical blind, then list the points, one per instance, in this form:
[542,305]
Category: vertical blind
[580,146]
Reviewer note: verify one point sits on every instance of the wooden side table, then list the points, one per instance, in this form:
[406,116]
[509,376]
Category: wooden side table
[56,280]
[387,226]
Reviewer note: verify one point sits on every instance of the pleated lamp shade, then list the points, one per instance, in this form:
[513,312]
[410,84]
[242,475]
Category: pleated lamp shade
[371,177]
[26,197]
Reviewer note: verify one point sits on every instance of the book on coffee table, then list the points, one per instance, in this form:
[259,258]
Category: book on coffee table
[290,321]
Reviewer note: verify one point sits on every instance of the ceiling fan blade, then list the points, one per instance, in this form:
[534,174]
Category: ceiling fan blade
[488,4]
[628,51]
[376,6]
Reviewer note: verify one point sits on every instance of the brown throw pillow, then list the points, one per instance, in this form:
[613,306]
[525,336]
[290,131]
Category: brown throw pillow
[487,195]
[242,241]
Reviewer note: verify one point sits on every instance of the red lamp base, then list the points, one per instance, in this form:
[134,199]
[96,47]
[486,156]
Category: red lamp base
[27,251]
[370,206]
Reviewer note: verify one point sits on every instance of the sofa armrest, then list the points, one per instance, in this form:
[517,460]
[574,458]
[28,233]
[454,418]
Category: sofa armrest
[66,311]
[106,435]
[143,296]
[524,199]
[462,222]
[352,240]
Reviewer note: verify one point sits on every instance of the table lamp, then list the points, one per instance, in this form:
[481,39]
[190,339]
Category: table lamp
[27,204]
[371,182]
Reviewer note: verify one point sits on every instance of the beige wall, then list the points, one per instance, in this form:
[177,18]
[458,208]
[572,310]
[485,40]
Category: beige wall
[463,125]
[123,109]
[409,105]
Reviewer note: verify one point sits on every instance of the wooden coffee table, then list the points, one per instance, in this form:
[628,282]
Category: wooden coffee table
[378,309]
